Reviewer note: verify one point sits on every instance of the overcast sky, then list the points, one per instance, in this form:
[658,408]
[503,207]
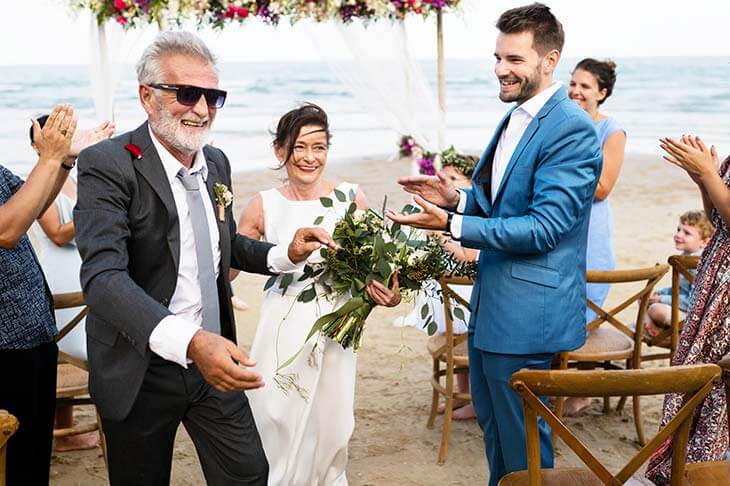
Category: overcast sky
[46,32]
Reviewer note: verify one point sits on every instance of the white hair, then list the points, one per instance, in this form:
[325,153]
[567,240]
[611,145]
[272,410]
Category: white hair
[149,70]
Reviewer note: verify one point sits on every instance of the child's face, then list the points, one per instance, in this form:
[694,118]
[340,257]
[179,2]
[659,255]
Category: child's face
[687,239]
[460,180]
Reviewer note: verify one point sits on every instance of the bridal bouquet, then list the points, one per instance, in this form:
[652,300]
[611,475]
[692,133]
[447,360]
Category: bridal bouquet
[370,247]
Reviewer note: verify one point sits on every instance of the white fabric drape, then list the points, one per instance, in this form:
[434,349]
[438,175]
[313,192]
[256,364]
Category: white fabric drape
[378,70]
[110,46]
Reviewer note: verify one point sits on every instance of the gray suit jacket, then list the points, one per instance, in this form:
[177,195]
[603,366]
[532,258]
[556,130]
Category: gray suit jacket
[128,234]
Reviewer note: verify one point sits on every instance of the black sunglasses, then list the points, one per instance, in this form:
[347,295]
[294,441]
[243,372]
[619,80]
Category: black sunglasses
[189,95]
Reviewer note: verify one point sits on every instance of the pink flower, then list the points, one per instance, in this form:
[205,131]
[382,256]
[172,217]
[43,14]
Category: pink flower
[121,20]
[231,12]
[132,148]
[242,12]
[120,5]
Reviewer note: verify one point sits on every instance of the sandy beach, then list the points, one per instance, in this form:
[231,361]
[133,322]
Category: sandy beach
[391,444]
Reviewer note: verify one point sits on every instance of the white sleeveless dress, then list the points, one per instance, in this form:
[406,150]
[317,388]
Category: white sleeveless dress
[305,432]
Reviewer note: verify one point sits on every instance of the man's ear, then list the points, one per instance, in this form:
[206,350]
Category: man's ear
[146,97]
[550,61]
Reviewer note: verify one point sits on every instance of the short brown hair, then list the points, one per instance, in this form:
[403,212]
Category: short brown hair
[697,219]
[547,31]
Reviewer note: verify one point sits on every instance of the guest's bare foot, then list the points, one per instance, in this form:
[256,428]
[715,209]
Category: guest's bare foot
[466,412]
[652,330]
[457,405]
[79,442]
[575,405]
[238,304]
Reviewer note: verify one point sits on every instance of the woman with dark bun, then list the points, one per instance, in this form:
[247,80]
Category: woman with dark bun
[590,86]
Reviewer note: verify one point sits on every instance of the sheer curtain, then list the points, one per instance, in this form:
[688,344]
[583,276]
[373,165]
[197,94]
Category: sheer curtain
[375,64]
[110,46]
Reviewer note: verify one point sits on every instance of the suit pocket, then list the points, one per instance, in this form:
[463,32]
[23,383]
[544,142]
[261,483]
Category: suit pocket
[547,277]
[101,331]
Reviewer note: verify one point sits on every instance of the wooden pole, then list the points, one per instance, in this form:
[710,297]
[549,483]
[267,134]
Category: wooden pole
[441,78]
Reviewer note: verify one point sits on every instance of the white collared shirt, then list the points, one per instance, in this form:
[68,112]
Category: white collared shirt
[172,335]
[508,141]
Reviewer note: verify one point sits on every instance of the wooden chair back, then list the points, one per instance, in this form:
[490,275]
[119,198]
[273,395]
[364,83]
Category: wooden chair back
[8,426]
[695,381]
[452,340]
[681,266]
[70,300]
[649,275]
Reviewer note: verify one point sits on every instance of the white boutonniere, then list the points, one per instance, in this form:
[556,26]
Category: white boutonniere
[223,199]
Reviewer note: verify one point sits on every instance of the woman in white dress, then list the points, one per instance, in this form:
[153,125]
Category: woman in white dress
[305,413]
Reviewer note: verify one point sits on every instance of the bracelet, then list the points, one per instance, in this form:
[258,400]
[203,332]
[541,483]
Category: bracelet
[449,217]
[67,167]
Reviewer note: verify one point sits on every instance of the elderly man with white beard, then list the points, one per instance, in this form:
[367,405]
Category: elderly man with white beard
[157,236]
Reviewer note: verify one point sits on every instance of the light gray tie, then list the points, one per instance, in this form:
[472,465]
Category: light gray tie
[203,252]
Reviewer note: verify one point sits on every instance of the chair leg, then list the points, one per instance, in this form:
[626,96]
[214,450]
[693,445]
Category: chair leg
[434,397]
[606,404]
[102,441]
[446,434]
[639,421]
[559,401]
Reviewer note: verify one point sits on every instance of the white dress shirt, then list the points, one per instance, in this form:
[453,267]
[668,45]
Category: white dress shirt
[172,335]
[508,141]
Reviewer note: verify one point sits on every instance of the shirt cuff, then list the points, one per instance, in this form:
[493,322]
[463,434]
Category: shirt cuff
[455,229]
[277,261]
[171,337]
[462,202]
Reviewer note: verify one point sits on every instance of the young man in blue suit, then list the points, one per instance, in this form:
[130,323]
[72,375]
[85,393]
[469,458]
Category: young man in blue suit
[528,213]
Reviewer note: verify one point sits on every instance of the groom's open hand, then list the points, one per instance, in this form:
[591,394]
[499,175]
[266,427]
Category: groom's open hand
[437,189]
[308,240]
[432,217]
[221,363]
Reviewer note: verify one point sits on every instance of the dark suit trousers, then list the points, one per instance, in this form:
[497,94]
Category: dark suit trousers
[499,410]
[28,391]
[220,424]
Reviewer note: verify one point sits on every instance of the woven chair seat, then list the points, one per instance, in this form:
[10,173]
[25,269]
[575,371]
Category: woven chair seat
[437,348]
[715,472]
[71,381]
[576,476]
[604,344]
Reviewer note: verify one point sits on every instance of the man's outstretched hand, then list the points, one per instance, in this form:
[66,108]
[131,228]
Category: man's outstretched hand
[308,240]
[432,217]
[221,363]
[438,189]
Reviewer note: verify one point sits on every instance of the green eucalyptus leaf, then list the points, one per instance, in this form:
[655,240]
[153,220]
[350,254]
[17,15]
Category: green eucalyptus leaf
[459,312]
[424,311]
[318,220]
[307,295]
[340,195]
[326,202]
[270,282]
[432,328]
[352,208]
[286,281]
[352,194]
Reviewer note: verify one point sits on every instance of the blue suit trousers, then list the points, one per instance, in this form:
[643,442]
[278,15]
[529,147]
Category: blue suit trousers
[499,409]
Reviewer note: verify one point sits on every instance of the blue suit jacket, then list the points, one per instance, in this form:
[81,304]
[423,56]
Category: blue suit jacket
[529,296]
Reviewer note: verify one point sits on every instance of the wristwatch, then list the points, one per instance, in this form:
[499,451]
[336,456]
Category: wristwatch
[67,166]
[449,217]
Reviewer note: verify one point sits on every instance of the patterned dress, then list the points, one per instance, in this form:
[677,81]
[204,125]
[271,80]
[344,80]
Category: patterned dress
[705,339]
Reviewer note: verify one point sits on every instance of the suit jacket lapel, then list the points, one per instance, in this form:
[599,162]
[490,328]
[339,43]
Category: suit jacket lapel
[481,180]
[527,137]
[224,237]
[150,167]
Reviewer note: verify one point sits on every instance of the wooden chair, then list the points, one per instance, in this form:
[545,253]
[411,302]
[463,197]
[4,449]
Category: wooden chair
[451,350]
[8,426]
[696,381]
[715,472]
[72,387]
[669,338]
[610,339]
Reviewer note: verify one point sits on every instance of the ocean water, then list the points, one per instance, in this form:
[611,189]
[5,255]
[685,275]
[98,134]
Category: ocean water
[652,98]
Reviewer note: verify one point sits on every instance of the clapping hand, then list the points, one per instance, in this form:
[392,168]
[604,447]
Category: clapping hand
[53,141]
[90,136]
[438,189]
[692,155]
[308,240]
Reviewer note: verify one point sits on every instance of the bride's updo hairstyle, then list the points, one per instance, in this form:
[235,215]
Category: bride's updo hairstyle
[291,124]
